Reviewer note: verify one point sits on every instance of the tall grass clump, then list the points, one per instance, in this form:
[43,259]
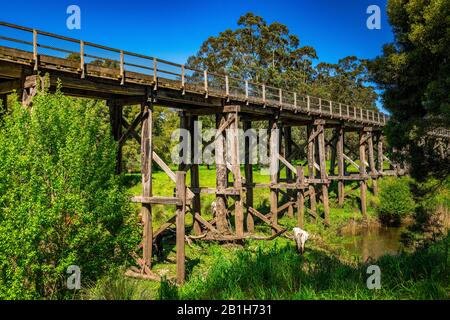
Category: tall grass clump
[274,271]
[396,200]
[60,202]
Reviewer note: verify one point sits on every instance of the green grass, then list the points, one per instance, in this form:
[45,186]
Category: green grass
[273,269]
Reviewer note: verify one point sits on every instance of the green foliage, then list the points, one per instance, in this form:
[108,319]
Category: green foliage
[271,270]
[413,73]
[270,54]
[396,200]
[60,203]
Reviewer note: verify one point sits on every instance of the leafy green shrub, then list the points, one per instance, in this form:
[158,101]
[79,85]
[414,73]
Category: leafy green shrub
[396,200]
[60,202]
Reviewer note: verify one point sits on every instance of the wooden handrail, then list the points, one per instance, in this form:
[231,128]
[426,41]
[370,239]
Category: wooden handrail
[259,91]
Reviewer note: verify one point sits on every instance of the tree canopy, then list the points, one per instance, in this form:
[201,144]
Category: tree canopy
[269,53]
[414,74]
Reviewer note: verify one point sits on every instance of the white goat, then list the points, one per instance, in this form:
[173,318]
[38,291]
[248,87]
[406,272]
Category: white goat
[300,237]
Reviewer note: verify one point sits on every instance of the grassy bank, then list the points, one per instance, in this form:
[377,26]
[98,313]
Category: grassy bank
[273,269]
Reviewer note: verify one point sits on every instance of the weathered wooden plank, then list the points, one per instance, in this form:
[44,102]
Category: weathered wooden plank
[311,162]
[341,165]
[323,172]
[221,177]
[180,222]
[373,170]
[204,222]
[274,168]
[146,165]
[164,227]
[236,172]
[362,172]
[156,200]
[131,127]
[248,179]
[353,163]
[274,226]
[195,176]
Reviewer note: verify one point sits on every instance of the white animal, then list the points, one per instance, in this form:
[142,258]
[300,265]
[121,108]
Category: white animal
[300,237]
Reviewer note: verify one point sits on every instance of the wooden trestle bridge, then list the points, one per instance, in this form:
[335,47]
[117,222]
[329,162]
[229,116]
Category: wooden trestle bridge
[125,78]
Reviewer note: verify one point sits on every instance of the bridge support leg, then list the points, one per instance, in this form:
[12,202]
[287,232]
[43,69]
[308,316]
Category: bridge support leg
[249,176]
[341,165]
[323,169]
[273,167]
[373,171]
[195,178]
[287,131]
[236,172]
[380,159]
[311,161]
[300,198]
[180,225]
[362,172]
[146,164]
[221,177]
[115,118]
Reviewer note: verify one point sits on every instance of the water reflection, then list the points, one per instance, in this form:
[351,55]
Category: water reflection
[373,242]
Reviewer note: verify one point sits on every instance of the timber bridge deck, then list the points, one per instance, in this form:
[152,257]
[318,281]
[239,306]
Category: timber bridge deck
[124,78]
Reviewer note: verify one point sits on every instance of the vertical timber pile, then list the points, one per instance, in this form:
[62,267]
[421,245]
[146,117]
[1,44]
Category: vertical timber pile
[115,116]
[341,165]
[287,131]
[311,161]
[236,172]
[180,225]
[362,172]
[380,152]
[273,168]
[300,197]
[249,176]
[373,170]
[146,165]
[221,176]
[323,168]
[195,178]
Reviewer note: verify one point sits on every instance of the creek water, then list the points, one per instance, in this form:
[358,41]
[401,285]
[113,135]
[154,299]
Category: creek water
[373,242]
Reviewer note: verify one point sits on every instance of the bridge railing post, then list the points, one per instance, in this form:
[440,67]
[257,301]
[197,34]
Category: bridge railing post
[82,66]
[35,49]
[205,77]
[227,87]
[264,93]
[155,72]
[183,78]
[295,101]
[246,91]
[122,68]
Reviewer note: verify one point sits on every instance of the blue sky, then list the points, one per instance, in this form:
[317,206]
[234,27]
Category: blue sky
[174,30]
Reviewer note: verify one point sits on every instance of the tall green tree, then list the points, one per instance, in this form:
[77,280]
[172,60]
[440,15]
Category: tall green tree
[259,52]
[61,203]
[414,73]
